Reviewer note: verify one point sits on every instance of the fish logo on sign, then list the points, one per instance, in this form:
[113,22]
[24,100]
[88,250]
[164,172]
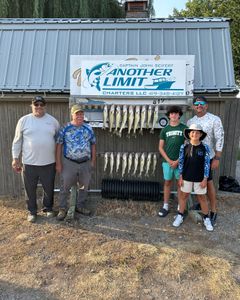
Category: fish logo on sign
[94,74]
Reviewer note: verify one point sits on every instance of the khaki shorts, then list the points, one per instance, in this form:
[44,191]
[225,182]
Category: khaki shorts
[189,185]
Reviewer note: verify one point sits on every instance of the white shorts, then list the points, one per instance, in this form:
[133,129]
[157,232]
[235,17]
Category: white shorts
[188,186]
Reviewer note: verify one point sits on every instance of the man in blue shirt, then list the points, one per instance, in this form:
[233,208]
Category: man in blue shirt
[75,158]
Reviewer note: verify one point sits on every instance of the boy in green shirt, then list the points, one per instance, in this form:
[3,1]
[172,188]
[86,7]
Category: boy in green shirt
[171,138]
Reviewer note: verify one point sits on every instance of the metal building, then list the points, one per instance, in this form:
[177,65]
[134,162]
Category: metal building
[35,55]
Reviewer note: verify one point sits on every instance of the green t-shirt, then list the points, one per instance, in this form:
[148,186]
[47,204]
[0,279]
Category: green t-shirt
[173,139]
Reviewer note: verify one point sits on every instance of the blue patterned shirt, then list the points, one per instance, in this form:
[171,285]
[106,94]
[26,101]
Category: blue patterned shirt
[76,140]
[194,162]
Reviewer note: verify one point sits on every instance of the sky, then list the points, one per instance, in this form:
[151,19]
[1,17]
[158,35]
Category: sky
[164,8]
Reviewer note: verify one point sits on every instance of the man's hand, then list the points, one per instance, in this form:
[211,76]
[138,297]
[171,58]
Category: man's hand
[16,165]
[58,167]
[214,164]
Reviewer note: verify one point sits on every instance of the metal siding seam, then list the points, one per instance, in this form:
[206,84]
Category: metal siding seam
[126,48]
[103,40]
[174,41]
[19,60]
[115,41]
[91,42]
[7,61]
[186,42]
[138,37]
[200,59]
[79,42]
[212,58]
[30,66]
[150,41]
[67,59]
[43,59]
[228,50]
[55,59]
[162,50]
[225,65]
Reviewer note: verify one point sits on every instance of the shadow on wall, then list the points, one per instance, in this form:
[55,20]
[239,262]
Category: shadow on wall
[11,291]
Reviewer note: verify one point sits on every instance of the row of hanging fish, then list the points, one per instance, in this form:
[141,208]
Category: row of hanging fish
[133,118]
[134,164]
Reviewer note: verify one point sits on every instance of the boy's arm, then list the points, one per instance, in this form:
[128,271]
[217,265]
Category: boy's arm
[162,151]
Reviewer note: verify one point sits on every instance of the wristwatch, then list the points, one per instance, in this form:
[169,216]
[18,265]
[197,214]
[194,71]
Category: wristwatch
[217,158]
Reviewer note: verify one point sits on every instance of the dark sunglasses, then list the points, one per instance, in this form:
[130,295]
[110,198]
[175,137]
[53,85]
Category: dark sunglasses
[39,104]
[199,103]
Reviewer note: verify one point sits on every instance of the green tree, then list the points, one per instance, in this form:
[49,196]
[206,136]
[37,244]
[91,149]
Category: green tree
[4,7]
[218,8]
[60,9]
[151,11]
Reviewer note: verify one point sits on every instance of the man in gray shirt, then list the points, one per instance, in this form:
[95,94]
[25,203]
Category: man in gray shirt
[35,141]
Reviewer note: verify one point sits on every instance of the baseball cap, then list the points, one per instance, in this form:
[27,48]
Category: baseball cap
[38,99]
[76,108]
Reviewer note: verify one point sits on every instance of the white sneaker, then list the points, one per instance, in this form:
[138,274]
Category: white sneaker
[31,218]
[49,214]
[207,223]
[178,221]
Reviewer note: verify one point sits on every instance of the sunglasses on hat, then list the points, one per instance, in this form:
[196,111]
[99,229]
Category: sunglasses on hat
[199,103]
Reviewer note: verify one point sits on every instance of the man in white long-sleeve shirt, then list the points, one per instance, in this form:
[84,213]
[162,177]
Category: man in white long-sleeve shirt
[212,125]
[34,141]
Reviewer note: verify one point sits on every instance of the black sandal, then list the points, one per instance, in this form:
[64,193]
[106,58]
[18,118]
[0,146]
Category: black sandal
[163,212]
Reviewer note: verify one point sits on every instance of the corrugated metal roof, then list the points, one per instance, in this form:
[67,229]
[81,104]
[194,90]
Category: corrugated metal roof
[34,53]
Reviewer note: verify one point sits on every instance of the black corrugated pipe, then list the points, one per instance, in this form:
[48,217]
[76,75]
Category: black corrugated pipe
[131,189]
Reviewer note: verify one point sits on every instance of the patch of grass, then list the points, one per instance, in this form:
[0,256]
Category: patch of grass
[238,155]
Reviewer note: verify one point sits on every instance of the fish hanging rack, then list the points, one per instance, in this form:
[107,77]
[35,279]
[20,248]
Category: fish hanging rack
[133,117]
[129,164]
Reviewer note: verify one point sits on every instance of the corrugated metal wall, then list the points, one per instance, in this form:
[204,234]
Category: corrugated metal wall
[11,111]
[34,53]
[34,57]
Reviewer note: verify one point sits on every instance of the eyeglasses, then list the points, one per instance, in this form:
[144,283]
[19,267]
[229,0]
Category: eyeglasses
[199,103]
[39,104]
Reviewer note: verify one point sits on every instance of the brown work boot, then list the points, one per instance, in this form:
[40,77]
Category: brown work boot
[61,214]
[83,211]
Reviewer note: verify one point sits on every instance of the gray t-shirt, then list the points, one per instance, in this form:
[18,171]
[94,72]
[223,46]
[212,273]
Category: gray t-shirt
[35,138]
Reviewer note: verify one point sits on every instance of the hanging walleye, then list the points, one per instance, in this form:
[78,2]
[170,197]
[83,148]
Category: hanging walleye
[148,164]
[143,118]
[111,117]
[118,118]
[136,119]
[136,159]
[154,163]
[118,159]
[106,156]
[142,163]
[130,119]
[149,116]
[105,116]
[124,163]
[111,162]
[155,118]
[130,159]
[124,119]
